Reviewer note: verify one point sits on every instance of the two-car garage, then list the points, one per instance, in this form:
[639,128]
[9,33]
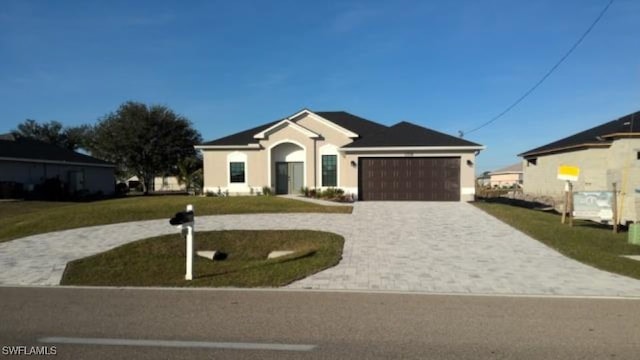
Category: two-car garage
[409,178]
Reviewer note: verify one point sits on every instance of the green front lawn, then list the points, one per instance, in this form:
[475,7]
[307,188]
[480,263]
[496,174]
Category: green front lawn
[587,242]
[18,219]
[160,261]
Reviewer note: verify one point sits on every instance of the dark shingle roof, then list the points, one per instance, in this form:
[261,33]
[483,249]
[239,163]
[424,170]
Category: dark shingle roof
[511,168]
[371,133]
[30,149]
[594,136]
[348,121]
[408,134]
[356,124]
[243,137]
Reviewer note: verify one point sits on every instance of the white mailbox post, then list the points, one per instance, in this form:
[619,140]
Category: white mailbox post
[184,220]
[189,273]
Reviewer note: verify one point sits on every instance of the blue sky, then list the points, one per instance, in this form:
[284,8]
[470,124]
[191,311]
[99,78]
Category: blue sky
[231,65]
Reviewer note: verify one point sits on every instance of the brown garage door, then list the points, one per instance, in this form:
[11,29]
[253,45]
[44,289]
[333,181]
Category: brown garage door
[426,179]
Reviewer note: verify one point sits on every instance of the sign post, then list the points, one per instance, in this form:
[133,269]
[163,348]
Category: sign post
[569,174]
[570,203]
[614,207]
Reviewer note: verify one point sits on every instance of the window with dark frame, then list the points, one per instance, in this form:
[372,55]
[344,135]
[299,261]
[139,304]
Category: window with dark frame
[329,170]
[236,172]
[638,155]
[532,161]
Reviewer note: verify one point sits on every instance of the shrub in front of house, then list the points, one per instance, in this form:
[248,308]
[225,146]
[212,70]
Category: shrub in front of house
[330,193]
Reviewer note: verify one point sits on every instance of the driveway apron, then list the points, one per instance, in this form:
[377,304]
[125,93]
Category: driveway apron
[432,247]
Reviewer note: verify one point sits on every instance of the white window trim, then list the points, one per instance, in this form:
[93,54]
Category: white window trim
[329,149]
[269,164]
[237,156]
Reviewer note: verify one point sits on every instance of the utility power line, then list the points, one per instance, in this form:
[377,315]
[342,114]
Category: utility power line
[553,68]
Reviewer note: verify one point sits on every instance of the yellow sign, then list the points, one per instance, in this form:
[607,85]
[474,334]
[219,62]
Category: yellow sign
[566,172]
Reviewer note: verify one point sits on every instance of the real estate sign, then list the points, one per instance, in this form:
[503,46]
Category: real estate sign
[566,172]
[593,205]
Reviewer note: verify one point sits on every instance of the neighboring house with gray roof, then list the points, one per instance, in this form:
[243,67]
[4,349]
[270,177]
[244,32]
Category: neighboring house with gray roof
[605,154]
[338,149]
[507,176]
[27,163]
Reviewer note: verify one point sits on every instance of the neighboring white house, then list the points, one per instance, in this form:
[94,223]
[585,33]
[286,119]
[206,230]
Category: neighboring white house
[161,183]
[337,149]
[507,176]
[606,154]
[27,163]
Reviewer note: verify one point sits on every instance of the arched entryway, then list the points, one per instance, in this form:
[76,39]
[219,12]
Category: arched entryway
[287,167]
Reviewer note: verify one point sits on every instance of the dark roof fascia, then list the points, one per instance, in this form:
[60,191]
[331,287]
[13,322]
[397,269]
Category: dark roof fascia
[624,126]
[621,135]
[408,135]
[577,147]
[363,127]
[57,162]
[245,135]
[506,172]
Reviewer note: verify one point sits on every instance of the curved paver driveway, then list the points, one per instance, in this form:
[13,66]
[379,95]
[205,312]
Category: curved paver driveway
[409,246]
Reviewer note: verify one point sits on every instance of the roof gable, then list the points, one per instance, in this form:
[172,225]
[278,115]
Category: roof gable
[370,133]
[26,149]
[335,126]
[406,134]
[598,136]
[340,119]
[282,124]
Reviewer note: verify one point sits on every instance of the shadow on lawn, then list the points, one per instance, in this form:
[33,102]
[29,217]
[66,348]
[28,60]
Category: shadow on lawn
[534,205]
[260,264]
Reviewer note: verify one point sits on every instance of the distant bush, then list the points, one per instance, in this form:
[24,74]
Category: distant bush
[122,188]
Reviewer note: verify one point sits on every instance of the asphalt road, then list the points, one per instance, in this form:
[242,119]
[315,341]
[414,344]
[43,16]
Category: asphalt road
[222,324]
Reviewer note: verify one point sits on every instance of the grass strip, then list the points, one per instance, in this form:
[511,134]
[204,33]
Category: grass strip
[590,243]
[160,261]
[24,218]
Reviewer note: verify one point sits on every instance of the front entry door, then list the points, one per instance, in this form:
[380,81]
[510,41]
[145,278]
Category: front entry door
[289,177]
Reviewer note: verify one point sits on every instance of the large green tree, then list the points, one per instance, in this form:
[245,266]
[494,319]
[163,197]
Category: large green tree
[146,141]
[53,132]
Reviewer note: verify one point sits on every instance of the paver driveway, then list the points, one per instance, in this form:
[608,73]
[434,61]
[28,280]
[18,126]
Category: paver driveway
[407,246]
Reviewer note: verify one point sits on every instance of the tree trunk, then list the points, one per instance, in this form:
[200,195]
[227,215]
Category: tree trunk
[147,184]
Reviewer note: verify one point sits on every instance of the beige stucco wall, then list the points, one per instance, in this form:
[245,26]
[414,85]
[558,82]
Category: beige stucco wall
[599,167]
[216,171]
[349,173]
[260,168]
[286,135]
[506,179]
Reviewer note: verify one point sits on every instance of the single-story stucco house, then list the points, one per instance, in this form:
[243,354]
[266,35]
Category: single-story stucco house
[507,176]
[27,163]
[605,154]
[338,149]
